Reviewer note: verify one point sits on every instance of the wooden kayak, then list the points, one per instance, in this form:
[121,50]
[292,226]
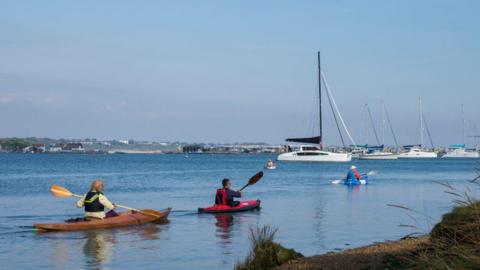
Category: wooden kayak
[122,220]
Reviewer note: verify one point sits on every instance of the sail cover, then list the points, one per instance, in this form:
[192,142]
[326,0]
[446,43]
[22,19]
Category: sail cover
[315,140]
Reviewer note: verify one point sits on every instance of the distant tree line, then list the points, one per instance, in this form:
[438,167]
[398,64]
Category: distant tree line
[14,144]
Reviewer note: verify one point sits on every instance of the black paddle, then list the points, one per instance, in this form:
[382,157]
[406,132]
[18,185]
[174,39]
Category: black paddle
[254,179]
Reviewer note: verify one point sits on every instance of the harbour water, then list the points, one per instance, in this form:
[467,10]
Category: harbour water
[312,215]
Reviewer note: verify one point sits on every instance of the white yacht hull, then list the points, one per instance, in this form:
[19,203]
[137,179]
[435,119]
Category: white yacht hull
[461,154]
[315,156]
[418,154]
[379,156]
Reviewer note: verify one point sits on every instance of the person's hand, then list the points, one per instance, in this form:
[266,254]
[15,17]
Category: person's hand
[114,206]
[239,192]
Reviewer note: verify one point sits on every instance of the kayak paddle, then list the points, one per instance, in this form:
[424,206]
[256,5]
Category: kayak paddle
[254,179]
[370,173]
[61,192]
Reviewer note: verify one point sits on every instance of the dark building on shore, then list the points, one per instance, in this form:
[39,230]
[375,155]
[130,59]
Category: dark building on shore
[192,149]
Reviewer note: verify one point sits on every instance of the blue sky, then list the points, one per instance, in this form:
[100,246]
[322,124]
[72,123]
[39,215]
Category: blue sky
[234,71]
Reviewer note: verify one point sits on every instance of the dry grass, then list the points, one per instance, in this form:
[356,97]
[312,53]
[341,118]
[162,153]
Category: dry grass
[265,253]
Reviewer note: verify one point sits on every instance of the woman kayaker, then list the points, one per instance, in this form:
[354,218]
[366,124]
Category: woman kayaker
[95,202]
[225,195]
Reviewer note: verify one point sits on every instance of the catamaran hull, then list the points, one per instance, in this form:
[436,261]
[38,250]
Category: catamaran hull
[315,156]
[418,155]
[462,155]
[378,157]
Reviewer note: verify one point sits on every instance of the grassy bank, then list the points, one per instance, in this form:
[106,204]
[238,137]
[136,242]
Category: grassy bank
[454,243]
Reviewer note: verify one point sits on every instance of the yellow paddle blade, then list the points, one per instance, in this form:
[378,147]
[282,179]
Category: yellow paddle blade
[59,191]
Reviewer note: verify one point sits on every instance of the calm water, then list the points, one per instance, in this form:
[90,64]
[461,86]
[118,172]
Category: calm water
[312,215]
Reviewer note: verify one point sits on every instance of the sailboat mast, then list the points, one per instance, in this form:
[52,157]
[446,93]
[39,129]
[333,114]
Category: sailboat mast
[421,120]
[383,123]
[463,126]
[320,100]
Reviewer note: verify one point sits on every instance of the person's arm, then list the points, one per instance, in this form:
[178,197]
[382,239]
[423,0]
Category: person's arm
[236,194]
[81,202]
[105,202]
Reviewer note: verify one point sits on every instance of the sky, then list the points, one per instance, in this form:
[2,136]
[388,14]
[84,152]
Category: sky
[236,71]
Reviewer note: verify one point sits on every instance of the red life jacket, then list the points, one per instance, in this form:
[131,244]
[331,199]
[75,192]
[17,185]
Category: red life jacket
[221,197]
[357,175]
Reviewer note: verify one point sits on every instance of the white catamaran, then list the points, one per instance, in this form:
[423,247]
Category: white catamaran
[417,151]
[313,152]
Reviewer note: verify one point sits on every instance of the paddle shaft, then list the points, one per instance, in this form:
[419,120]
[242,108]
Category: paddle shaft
[244,187]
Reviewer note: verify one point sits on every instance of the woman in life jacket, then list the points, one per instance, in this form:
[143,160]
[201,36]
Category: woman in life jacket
[353,174]
[95,202]
[225,195]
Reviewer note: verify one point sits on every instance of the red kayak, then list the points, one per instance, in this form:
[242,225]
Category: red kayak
[243,206]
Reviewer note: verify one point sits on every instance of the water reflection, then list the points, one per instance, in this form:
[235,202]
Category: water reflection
[98,248]
[229,225]
[224,225]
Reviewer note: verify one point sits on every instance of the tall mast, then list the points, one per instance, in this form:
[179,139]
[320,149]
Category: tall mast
[463,126]
[421,120]
[320,99]
[366,124]
[383,123]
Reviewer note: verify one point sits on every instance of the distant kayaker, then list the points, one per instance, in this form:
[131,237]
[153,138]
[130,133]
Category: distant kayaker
[95,202]
[270,164]
[353,173]
[225,195]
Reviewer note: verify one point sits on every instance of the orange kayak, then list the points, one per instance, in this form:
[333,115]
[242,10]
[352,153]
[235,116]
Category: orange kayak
[124,219]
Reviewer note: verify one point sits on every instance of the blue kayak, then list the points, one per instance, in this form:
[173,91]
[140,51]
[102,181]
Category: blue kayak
[355,181]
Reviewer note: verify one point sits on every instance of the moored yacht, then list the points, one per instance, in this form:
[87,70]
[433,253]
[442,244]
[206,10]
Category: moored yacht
[378,153]
[416,151]
[315,151]
[459,151]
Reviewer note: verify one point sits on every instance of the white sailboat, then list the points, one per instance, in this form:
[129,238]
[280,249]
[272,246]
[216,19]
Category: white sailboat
[313,152]
[378,152]
[417,151]
[459,150]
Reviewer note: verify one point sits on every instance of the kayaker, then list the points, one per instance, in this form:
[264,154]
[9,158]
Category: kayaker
[353,173]
[270,164]
[225,195]
[95,202]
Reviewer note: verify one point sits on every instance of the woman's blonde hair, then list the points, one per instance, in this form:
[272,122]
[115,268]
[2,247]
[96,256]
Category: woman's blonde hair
[97,184]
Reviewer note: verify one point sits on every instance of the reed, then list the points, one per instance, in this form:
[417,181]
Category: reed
[265,252]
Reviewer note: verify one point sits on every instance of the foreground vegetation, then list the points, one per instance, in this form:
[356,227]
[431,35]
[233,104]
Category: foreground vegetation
[265,253]
[454,243]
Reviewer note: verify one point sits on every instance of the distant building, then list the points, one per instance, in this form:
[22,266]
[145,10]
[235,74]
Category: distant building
[192,149]
[54,148]
[73,147]
[39,148]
